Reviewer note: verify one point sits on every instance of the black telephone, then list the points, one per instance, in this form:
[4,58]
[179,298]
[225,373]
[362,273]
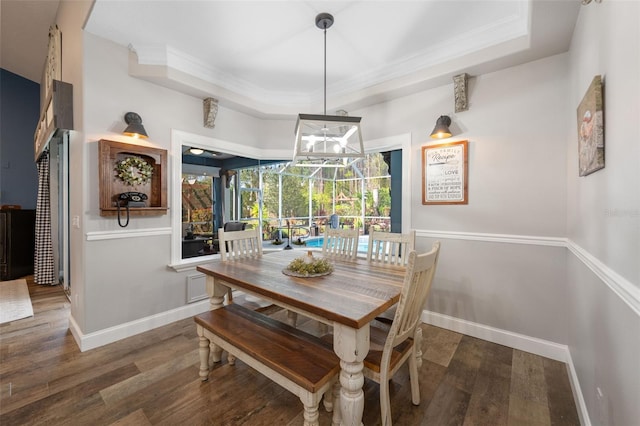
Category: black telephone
[130,199]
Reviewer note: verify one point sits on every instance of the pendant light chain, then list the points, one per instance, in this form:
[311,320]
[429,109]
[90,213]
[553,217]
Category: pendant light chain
[325,69]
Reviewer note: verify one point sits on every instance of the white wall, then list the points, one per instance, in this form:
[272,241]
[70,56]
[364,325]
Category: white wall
[516,127]
[127,279]
[70,19]
[603,217]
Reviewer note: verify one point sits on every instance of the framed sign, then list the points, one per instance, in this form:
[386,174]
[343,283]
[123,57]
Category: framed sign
[444,173]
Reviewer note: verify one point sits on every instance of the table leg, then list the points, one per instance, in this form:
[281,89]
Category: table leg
[352,346]
[216,292]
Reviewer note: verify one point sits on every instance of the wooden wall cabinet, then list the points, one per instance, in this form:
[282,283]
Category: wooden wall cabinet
[111,153]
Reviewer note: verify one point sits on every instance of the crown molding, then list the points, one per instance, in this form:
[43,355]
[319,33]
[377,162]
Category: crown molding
[170,67]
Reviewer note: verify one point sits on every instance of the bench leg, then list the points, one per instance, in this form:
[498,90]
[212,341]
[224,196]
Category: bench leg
[327,400]
[216,352]
[204,354]
[311,414]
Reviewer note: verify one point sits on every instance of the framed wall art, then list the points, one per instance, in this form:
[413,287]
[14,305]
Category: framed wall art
[445,173]
[126,169]
[591,129]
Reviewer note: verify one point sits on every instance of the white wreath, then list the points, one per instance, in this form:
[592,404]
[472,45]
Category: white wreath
[134,171]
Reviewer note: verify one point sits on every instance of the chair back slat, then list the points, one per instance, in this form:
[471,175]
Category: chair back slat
[240,244]
[390,248]
[340,243]
[417,284]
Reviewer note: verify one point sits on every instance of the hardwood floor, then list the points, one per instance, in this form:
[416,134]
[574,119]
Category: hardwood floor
[152,378]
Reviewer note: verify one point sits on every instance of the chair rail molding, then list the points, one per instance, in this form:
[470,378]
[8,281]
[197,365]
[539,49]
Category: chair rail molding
[629,293]
[622,287]
[494,238]
[129,233]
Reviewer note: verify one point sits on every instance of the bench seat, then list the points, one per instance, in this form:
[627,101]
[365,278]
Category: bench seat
[298,361]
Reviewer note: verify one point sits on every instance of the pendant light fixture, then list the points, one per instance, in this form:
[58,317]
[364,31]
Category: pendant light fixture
[326,140]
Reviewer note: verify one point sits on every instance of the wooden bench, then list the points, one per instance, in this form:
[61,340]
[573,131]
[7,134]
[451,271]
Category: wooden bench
[298,361]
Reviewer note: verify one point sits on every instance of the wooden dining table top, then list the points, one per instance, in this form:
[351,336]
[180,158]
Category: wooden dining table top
[353,294]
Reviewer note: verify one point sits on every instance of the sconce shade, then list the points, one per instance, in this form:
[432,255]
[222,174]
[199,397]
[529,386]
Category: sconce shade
[324,140]
[135,127]
[441,130]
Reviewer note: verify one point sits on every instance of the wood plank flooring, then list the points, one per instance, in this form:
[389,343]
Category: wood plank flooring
[152,379]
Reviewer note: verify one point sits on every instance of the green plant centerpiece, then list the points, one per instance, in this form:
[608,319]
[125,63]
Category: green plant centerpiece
[134,171]
[308,266]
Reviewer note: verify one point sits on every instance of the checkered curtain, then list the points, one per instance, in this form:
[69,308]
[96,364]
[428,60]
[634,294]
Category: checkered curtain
[44,267]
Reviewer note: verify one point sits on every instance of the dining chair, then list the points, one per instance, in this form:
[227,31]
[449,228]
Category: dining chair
[241,244]
[341,243]
[390,248]
[391,348]
[337,243]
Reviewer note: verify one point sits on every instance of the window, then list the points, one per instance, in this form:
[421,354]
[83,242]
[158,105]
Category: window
[197,203]
[260,197]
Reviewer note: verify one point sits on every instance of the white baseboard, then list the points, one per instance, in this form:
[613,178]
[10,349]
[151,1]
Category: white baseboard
[121,331]
[534,345]
[521,342]
[581,405]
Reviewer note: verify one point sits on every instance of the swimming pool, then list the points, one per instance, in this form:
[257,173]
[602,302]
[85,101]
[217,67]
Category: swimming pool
[363,243]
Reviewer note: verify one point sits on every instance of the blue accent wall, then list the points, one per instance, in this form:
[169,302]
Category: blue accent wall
[19,114]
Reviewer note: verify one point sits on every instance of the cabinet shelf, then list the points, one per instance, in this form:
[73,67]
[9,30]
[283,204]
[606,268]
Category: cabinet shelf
[134,211]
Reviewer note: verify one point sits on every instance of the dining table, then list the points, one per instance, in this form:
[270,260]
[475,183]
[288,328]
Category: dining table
[348,299]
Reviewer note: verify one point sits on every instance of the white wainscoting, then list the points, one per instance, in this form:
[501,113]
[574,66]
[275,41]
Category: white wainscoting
[620,286]
[627,292]
[196,287]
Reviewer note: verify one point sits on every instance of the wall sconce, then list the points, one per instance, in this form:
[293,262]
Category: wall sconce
[135,127]
[441,130]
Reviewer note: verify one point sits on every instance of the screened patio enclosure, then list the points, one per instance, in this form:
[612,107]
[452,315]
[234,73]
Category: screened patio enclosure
[288,200]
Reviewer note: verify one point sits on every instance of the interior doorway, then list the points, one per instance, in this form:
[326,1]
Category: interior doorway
[59,199]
